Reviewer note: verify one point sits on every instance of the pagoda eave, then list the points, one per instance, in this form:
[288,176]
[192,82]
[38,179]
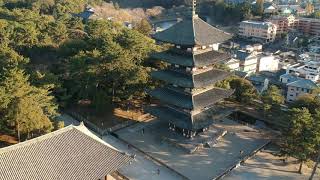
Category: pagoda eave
[173,58]
[192,31]
[172,77]
[187,101]
[210,97]
[172,116]
[172,97]
[191,60]
[188,121]
[210,77]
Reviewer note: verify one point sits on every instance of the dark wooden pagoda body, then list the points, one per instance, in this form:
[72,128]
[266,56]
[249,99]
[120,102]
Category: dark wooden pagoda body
[188,95]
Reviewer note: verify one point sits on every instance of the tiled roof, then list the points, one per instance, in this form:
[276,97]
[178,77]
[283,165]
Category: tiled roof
[192,31]
[242,55]
[257,78]
[303,83]
[71,153]
[290,78]
[210,97]
[180,119]
[172,97]
[173,77]
[191,60]
[185,120]
[209,77]
[188,80]
[209,58]
[183,100]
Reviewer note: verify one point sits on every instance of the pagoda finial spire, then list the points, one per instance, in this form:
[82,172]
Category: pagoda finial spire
[194,4]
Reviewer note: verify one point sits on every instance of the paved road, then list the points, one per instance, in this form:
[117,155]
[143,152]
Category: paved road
[142,168]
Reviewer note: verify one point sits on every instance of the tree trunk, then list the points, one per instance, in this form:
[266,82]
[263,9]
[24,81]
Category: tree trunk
[18,131]
[300,167]
[315,166]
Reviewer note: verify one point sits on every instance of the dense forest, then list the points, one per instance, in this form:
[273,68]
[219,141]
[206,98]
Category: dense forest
[52,60]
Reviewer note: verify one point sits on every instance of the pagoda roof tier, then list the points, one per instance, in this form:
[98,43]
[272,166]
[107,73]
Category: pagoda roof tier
[216,112]
[173,97]
[209,77]
[192,31]
[187,101]
[189,59]
[178,118]
[189,80]
[173,77]
[186,120]
[210,97]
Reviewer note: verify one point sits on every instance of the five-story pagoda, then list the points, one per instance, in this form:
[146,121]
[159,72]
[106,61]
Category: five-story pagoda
[189,94]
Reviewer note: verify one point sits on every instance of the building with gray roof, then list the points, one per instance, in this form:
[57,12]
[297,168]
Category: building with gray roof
[298,88]
[71,153]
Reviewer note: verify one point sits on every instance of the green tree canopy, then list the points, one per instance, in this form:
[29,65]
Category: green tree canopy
[299,138]
[244,90]
[309,101]
[272,98]
[143,27]
[112,64]
[23,106]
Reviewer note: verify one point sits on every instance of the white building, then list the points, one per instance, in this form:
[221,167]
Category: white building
[254,47]
[309,70]
[258,31]
[247,61]
[233,64]
[268,63]
[298,88]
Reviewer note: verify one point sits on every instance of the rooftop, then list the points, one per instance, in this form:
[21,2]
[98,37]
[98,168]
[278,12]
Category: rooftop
[70,153]
[258,23]
[188,80]
[242,55]
[192,31]
[257,78]
[290,77]
[304,83]
[187,101]
[189,59]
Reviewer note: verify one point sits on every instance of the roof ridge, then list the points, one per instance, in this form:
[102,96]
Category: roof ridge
[37,139]
[193,30]
[214,27]
[82,128]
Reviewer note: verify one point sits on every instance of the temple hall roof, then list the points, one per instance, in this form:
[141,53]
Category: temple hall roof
[70,153]
[190,59]
[192,31]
